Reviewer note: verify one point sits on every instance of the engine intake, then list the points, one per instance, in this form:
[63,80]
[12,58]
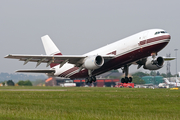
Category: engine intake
[155,64]
[93,62]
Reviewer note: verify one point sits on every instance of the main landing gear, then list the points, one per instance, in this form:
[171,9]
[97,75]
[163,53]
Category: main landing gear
[90,79]
[126,79]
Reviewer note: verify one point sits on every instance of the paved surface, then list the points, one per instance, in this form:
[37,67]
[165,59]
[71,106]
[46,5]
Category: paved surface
[33,90]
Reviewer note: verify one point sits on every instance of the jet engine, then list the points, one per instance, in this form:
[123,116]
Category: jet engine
[93,62]
[153,64]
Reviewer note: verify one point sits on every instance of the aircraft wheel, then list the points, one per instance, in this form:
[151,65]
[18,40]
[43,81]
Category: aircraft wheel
[130,79]
[126,79]
[123,80]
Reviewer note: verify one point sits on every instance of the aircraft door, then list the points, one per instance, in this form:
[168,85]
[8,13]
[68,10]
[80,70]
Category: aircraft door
[142,42]
[145,35]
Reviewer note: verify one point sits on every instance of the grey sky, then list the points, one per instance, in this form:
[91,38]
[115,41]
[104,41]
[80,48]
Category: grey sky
[79,26]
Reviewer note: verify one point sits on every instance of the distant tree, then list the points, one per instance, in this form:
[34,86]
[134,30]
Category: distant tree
[158,73]
[164,75]
[28,83]
[24,83]
[3,83]
[21,83]
[140,74]
[138,80]
[10,83]
[169,75]
[38,81]
[175,75]
[153,73]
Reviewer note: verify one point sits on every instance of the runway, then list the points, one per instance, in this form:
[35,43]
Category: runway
[33,89]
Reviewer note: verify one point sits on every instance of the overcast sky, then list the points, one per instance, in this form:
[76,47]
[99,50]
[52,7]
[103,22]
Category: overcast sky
[79,26]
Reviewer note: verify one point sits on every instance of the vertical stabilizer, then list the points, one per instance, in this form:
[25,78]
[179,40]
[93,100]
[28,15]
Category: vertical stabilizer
[49,46]
[166,81]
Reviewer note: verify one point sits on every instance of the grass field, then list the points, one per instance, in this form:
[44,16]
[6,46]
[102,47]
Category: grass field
[26,103]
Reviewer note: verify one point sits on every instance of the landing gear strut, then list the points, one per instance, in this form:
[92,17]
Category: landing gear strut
[90,79]
[126,79]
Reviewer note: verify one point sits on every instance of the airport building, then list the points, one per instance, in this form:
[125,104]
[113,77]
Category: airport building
[55,81]
[103,80]
[154,80]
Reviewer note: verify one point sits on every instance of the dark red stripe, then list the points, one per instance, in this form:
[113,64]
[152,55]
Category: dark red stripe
[68,71]
[158,38]
[55,64]
[124,59]
[58,54]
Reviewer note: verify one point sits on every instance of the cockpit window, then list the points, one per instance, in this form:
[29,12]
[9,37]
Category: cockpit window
[160,32]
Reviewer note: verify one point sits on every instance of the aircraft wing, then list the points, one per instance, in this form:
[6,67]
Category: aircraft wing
[58,59]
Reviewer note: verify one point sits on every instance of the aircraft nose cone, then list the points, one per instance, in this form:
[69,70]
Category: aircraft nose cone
[167,37]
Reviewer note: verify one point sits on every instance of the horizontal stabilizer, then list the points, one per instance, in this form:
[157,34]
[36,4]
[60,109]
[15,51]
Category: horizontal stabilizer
[168,58]
[36,71]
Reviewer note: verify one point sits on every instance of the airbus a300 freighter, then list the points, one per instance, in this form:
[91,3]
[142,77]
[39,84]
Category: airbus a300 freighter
[140,49]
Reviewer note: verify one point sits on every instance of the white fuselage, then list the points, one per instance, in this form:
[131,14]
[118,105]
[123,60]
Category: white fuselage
[127,51]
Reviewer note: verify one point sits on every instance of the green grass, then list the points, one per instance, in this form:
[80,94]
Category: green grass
[89,104]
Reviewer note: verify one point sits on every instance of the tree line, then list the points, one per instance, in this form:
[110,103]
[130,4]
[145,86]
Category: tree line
[19,83]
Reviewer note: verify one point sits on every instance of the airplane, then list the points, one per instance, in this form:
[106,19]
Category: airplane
[140,49]
[177,84]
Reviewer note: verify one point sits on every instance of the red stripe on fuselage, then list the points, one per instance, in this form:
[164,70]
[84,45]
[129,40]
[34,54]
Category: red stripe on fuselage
[119,61]
[68,71]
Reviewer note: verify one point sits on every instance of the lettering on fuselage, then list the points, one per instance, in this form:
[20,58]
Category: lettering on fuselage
[142,42]
[150,40]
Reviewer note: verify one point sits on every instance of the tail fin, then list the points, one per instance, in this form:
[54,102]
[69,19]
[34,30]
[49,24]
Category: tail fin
[166,81]
[50,48]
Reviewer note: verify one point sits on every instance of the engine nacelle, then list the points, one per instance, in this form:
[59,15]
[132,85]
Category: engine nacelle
[93,62]
[155,64]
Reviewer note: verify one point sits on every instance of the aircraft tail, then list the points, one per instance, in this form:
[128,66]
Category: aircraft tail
[166,81]
[50,48]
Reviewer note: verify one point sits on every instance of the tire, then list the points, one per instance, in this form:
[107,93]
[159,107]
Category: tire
[130,79]
[122,80]
[126,79]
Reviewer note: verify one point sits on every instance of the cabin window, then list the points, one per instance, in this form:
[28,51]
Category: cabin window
[160,32]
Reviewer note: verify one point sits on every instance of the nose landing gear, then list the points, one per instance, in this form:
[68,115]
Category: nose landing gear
[90,79]
[126,71]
